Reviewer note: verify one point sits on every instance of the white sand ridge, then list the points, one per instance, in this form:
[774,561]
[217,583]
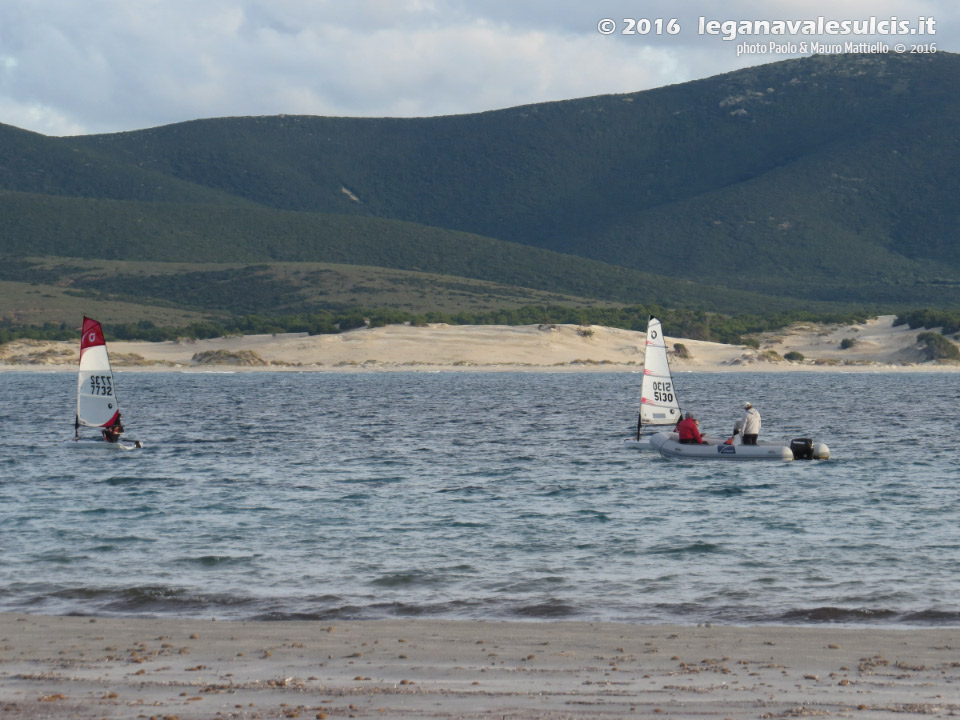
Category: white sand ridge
[877,344]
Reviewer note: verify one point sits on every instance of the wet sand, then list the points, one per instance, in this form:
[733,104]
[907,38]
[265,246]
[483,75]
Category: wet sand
[78,667]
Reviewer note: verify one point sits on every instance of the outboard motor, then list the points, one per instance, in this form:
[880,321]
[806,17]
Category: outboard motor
[802,448]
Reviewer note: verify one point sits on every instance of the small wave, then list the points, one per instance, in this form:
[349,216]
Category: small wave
[727,491]
[838,615]
[372,480]
[61,558]
[125,480]
[116,540]
[932,617]
[556,491]
[551,609]
[592,516]
[343,612]
[376,611]
[216,560]
[405,579]
[151,599]
[697,548]
[281,616]
[466,489]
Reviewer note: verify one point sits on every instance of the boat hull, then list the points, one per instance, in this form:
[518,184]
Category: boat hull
[95,443]
[670,448]
[643,443]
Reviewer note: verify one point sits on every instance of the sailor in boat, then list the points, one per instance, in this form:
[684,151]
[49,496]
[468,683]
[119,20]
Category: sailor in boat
[689,430]
[112,434]
[749,424]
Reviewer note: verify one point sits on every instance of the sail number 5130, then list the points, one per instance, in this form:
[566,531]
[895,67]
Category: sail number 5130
[101,385]
[662,392]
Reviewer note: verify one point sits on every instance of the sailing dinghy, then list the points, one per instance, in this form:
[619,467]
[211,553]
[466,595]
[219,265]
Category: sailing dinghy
[97,404]
[659,407]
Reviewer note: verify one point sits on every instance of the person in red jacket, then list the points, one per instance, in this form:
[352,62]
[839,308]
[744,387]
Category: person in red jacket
[689,431]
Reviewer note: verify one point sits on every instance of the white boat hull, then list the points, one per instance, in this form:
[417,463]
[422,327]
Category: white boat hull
[643,443]
[670,447]
[95,443]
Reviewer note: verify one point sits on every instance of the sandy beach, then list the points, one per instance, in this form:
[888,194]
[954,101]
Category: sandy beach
[179,669]
[78,667]
[877,346]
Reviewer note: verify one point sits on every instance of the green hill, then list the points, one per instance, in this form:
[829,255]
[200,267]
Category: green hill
[33,163]
[828,180]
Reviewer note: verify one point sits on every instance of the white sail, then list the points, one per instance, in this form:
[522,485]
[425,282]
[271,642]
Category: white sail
[658,399]
[96,399]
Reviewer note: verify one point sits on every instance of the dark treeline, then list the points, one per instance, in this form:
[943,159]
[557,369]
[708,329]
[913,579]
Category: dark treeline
[695,325]
[936,347]
[948,321]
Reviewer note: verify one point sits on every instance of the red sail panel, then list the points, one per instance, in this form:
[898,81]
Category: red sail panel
[113,420]
[92,335]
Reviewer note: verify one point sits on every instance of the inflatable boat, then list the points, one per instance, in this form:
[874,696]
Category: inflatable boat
[798,449]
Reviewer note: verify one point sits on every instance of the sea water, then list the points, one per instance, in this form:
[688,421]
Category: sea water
[481,495]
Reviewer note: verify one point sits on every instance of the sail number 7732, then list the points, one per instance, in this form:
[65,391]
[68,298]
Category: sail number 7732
[662,391]
[101,385]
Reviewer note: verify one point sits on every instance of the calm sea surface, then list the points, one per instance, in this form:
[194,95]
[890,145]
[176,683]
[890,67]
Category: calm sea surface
[481,495]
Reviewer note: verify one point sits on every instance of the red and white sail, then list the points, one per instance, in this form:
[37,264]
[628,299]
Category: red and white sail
[658,399]
[96,398]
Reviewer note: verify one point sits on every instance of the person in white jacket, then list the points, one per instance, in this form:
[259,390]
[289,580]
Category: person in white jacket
[749,425]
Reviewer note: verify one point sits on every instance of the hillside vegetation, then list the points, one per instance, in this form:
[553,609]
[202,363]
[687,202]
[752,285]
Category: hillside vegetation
[823,183]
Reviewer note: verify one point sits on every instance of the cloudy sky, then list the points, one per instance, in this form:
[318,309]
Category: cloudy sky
[71,67]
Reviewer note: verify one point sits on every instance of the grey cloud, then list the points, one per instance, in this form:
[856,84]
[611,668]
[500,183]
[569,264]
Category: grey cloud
[108,65]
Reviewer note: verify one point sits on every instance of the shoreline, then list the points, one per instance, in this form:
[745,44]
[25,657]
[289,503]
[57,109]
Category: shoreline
[500,368]
[89,667]
[873,346]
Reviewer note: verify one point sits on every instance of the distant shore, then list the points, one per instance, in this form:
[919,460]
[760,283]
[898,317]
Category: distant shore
[873,346]
[78,667]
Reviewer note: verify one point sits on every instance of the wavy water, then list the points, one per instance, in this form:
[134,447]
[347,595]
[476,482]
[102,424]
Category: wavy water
[480,495]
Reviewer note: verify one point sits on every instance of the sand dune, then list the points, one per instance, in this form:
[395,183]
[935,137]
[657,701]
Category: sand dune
[877,345]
